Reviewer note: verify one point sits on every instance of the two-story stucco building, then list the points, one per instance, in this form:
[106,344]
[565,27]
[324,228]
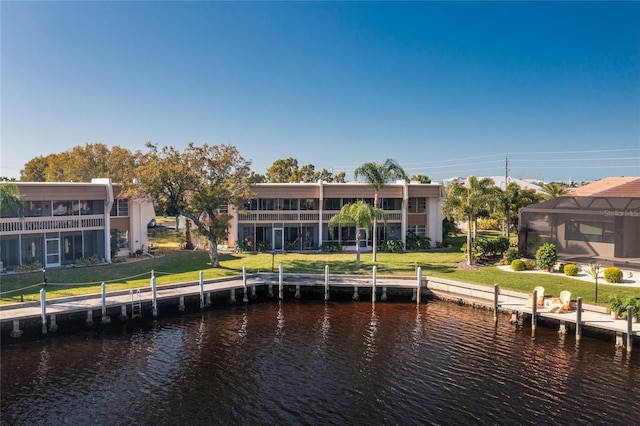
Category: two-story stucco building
[296,215]
[66,221]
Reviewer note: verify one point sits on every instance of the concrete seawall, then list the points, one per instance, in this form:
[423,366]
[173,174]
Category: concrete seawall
[74,313]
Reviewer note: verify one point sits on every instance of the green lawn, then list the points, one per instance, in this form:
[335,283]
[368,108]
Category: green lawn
[180,266]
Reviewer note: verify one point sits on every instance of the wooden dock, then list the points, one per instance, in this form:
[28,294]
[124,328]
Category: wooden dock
[124,305]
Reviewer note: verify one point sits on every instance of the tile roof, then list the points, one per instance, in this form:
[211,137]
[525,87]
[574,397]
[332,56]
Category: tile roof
[610,187]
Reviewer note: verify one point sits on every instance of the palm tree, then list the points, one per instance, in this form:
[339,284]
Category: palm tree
[508,198]
[554,190]
[10,200]
[468,202]
[360,214]
[378,175]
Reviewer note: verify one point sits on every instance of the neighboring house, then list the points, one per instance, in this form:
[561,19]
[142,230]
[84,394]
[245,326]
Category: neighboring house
[598,220]
[295,216]
[67,221]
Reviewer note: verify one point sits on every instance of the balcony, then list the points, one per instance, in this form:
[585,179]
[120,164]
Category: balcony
[301,216]
[34,225]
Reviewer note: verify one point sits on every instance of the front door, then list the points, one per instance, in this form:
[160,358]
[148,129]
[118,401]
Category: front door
[278,239]
[53,252]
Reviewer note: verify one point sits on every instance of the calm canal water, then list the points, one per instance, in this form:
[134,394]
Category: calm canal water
[313,363]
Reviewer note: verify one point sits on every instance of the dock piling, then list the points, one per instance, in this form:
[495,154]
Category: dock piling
[578,318]
[181,304]
[105,319]
[326,282]
[154,294]
[629,328]
[356,296]
[89,321]
[232,296]
[534,313]
[419,285]
[245,297]
[298,295]
[496,294]
[201,284]
[43,307]
[280,281]
[383,297]
[53,325]
[373,285]
[16,332]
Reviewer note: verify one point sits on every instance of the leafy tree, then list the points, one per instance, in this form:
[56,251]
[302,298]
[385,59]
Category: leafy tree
[287,170]
[378,175]
[198,183]
[421,178]
[524,198]
[256,178]
[10,200]
[554,190]
[508,198]
[360,215]
[469,202]
[283,170]
[80,164]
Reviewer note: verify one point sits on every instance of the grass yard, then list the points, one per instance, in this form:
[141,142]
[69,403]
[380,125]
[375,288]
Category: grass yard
[182,266]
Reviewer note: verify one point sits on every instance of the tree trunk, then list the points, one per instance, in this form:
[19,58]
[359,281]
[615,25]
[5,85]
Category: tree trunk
[213,252]
[374,240]
[187,234]
[357,247]
[469,255]
[508,216]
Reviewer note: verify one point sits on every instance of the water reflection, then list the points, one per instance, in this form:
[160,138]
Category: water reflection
[336,363]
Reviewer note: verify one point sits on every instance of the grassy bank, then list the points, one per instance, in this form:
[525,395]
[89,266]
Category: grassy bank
[182,266]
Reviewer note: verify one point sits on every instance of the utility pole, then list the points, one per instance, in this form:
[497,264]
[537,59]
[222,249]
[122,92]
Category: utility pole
[506,178]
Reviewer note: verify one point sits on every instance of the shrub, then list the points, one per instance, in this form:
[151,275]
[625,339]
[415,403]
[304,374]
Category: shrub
[613,275]
[392,246]
[530,265]
[27,267]
[242,246]
[547,256]
[511,254]
[570,270]
[330,247]
[488,224]
[486,247]
[418,242]
[518,265]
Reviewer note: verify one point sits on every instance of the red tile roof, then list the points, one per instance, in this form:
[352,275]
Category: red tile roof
[610,187]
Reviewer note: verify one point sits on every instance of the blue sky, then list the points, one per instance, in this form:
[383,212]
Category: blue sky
[446,89]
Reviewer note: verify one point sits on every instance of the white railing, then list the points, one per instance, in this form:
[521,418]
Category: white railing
[32,225]
[280,216]
[392,215]
[301,216]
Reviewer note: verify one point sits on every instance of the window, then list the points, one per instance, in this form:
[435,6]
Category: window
[89,207]
[417,205]
[266,204]
[417,230]
[252,204]
[289,204]
[308,204]
[391,204]
[120,207]
[332,204]
[595,232]
[33,209]
[65,208]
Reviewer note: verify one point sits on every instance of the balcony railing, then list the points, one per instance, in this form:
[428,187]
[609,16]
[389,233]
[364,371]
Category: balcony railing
[32,225]
[313,216]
